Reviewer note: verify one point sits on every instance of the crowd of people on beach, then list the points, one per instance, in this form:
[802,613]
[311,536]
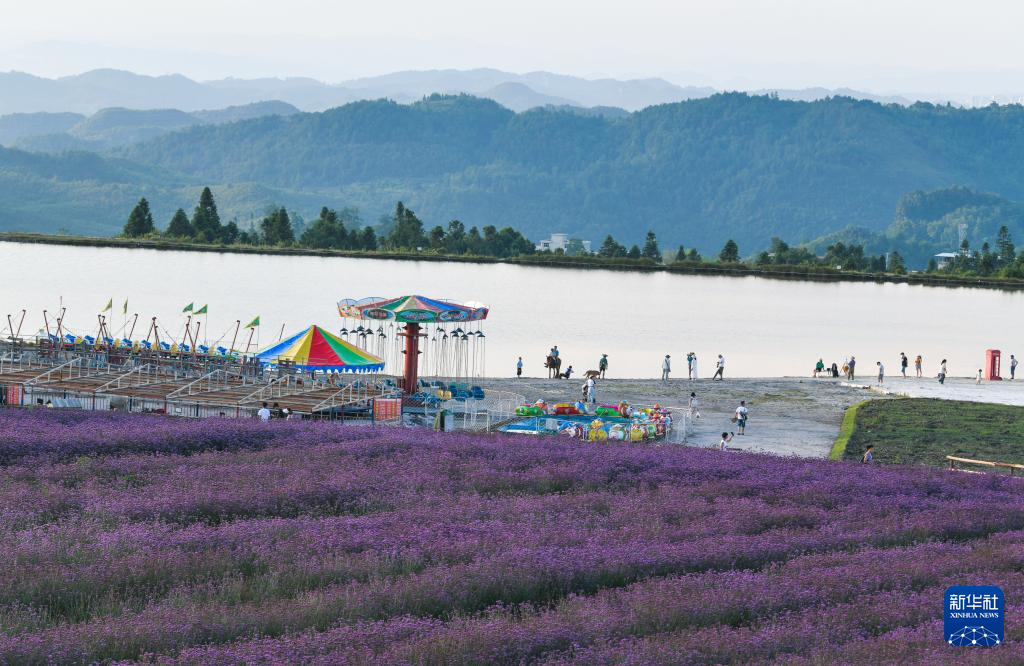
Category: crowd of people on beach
[553,363]
[848,370]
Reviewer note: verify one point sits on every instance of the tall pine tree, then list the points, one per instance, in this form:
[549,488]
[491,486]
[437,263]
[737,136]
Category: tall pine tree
[407,233]
[206,219]
[140,220]
[180,227]
[277,228]
[651,250]
[730,253]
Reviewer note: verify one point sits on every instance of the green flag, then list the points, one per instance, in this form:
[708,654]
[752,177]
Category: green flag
[188,308]
[110,305]
[254,323]
[201,310]
[124,310]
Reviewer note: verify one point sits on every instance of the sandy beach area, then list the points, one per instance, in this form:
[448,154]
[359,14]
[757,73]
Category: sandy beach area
[788,416]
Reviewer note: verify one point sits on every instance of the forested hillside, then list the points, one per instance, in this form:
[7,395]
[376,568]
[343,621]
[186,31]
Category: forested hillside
[696,172]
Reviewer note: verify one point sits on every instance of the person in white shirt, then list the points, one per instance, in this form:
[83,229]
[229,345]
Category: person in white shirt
[881,372]
[591,390]
[726,438]
[942,372]
[694,406]
[720,369]
[666,367]
[741,418]
[264,413]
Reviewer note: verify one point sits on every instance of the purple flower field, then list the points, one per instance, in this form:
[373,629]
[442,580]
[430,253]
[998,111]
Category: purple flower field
[129,539]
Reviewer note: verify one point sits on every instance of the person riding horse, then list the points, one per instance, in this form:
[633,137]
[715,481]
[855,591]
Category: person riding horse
[554,365]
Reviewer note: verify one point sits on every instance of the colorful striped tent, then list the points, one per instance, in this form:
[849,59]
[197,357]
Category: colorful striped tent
[318,349]
[410,310]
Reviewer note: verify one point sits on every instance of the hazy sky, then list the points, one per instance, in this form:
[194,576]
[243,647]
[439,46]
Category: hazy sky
[878,45]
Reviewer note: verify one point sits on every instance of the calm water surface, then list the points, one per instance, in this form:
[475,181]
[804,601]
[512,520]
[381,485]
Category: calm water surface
[763,327]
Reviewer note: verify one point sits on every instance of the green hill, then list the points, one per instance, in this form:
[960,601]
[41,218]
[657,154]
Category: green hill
[927,223]
[696,172]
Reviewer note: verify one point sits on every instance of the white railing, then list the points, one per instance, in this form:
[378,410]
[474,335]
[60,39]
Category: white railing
[281,386]
[357,393]
[482,414]
[211,381]
[18,361]
[68,370]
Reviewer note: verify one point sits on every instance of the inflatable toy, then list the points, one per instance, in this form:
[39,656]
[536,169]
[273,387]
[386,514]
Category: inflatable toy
[528,410]
[597,433]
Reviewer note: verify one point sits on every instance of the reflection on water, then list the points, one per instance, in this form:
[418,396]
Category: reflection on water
[763,327]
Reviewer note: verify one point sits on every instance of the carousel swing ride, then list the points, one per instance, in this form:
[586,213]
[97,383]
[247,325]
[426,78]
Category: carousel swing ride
[427,337]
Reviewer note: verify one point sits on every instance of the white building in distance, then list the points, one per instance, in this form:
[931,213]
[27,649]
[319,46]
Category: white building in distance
[562,242]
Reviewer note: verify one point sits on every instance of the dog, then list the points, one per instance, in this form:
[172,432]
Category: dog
[592,374]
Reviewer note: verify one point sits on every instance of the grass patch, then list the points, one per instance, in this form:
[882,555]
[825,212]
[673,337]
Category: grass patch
[924,431]
[845,431]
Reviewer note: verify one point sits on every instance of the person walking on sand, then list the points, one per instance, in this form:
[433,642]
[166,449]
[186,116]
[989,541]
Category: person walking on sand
[978,380]
[726,438]
[819,367]
[741,418]
[666,367]
[719,369]
[694,406]
[942,372]
[917,365]
[869,455]
[689,365]
[591,389]
[881,372]
[519,367]
[1013,366]
[602,365]
[903,364]
[693,367]
[853,368]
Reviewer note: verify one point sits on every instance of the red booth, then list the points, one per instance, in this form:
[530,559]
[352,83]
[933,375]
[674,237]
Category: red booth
[992,357]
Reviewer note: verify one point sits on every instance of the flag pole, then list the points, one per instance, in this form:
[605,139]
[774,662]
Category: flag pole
[238,326]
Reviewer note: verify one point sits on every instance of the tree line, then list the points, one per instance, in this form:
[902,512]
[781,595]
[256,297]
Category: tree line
[332,230]
[403,231]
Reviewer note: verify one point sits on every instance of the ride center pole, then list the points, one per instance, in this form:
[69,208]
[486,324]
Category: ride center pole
[412,360]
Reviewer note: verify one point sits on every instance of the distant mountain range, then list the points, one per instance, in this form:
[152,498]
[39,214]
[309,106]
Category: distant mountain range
[109,128]
[696,172]
[92,91]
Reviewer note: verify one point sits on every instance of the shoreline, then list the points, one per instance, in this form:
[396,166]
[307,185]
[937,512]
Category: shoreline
[789,273]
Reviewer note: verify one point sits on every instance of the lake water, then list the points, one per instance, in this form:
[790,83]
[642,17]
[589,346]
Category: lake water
[763,327]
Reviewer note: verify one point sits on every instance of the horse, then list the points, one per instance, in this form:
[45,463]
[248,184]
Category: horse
[554,365]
